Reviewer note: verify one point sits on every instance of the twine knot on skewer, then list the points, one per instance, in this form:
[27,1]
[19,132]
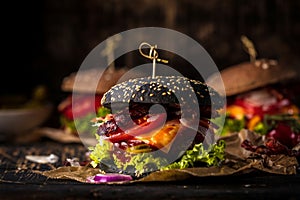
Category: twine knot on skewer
[153,55]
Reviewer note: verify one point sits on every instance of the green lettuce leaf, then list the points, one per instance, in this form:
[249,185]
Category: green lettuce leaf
[139,163]
[102,112]
[213,156]
[100,152]
[145,162]
[84,124]
[230,125]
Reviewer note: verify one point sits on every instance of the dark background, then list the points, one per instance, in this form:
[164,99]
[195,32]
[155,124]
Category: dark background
[46,40]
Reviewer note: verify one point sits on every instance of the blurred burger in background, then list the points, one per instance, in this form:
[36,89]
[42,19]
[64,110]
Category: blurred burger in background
[263,97]
[83,101]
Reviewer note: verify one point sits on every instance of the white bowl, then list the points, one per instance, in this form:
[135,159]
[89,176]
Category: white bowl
[20,120]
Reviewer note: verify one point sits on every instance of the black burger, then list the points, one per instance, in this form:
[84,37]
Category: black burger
[157,123]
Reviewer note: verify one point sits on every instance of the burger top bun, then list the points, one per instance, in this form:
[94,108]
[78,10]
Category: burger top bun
[161,89]
[106,79]
[251,75]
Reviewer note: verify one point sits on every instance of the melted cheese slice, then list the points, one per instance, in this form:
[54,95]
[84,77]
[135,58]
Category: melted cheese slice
[163,138]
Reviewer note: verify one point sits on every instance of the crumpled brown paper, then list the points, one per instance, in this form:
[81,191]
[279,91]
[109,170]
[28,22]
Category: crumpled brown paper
[78,173]
[238,161]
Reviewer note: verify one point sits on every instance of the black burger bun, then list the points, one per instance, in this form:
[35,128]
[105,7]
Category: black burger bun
[172,90]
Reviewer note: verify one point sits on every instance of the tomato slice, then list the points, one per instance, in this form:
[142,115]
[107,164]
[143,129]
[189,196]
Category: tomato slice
[77,106]
[145,128]
[118,136]
[260,102]
[160,138]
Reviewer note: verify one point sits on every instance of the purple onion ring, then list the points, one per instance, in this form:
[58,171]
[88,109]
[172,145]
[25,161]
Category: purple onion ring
[111,177]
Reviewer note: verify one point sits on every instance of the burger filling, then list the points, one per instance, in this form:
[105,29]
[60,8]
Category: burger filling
[127,140]
[151,131]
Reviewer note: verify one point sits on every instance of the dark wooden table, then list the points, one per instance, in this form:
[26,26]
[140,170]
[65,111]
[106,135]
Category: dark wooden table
[17,180]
